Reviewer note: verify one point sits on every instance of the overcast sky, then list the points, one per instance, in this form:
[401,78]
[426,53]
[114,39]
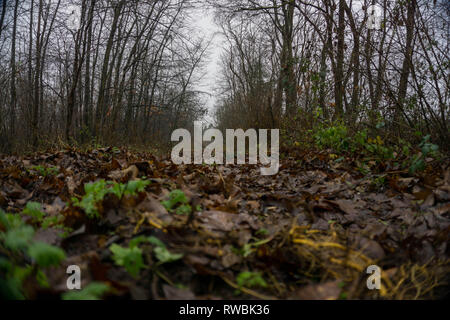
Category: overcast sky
[204,21]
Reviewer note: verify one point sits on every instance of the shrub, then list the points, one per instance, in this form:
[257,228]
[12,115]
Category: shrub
[332,137]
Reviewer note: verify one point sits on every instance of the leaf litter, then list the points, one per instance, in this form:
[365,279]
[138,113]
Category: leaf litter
[225,232]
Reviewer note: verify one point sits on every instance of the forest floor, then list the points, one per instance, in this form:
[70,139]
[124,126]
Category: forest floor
[226,232]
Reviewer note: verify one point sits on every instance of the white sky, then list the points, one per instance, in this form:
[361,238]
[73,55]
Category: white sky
[204,22]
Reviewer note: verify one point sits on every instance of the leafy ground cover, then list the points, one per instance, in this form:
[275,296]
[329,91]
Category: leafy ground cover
[140,227]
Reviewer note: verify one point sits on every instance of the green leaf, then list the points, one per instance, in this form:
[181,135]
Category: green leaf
[176,197]
[161,252]
[417,165]
[251,280]
[136,186]
[184,210]
[94,291]
[34,210]
[11,289]
[51,221]
[129,258]
[155,241]
[10,221]
[96,192]
[42,279]
[46,255]
[381,125]
[43,171]
[165,256]
[262,232]
[117,190]
[4,220]
[5,265]
[18,238]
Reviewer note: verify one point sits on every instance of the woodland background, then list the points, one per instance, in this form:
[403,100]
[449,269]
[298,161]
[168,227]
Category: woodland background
[126,72]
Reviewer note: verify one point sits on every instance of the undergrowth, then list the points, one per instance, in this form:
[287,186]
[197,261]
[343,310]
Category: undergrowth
[370,148]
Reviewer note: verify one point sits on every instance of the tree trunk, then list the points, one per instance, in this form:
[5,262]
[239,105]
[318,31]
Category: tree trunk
[339,77]
[2,16]
[288,61]
[406,68]
[104,75]
[13,74]
[87,117]
[37,78]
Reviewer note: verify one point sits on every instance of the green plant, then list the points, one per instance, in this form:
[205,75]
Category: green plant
[359,140]
[19,238]
[338,137]
[34,210]
[44,171]
[332,137]
[46,255]
[39,217]
[161,252]
[250,280]
[10,221]
[11,279]
[343,296]
[94,291]
[129,258]
[364,169]
[373,147]
[249,248]
[184,210]
[376,147]
[178,202]
[406,147]
[176,197]
[23,257]
[262,232]
[134,187]
[418,160]
[379,182]
[95,193]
